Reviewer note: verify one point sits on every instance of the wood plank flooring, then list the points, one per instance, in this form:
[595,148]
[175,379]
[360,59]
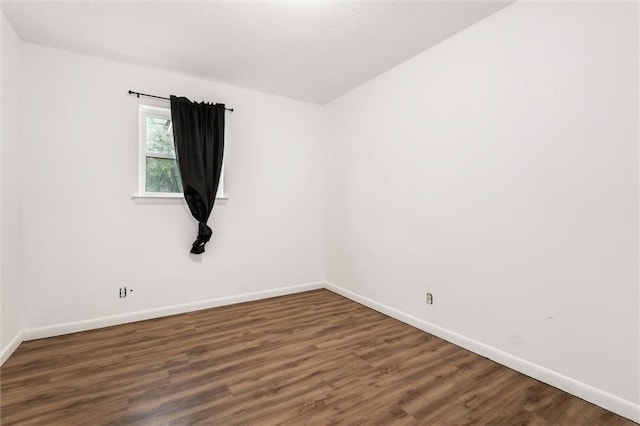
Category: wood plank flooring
[311,358]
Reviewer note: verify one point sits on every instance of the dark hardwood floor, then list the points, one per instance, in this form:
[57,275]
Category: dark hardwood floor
[309,358]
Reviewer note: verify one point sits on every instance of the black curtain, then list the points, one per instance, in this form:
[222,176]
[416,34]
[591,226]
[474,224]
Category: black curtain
[198,135]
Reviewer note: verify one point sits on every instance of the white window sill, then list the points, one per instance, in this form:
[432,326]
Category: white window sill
[167,198]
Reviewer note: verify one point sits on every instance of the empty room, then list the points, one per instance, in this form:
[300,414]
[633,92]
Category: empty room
[320,213]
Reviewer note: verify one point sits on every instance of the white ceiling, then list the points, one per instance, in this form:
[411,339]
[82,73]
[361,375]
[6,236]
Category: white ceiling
[308,50]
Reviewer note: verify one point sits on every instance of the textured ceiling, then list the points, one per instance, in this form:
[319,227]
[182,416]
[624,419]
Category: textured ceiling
[308,50]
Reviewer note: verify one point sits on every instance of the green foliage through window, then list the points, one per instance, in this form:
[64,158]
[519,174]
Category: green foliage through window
[161,168]
[159,136]
[162,175]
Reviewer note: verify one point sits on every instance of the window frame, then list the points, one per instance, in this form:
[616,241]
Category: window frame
[145,111]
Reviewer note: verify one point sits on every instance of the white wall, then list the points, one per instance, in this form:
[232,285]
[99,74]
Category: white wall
[85,237]
[499,170]
[11,244]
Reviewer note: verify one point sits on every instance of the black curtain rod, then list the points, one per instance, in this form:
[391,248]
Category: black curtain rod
[138,94]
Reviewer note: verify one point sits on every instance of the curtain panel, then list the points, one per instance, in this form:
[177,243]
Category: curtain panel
[198,135]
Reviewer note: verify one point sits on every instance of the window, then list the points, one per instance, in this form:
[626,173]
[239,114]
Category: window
[159,176]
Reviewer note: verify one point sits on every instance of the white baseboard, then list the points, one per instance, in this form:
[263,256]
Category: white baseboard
[6,352]
[73,327]
[596,396]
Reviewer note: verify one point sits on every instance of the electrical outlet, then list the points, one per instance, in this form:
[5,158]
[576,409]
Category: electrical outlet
[429,299]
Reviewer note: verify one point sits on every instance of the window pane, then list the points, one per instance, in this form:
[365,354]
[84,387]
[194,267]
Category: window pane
[162,175]
[159,136]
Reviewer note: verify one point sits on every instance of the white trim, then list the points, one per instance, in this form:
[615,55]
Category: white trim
[596,396]
[155,110]
[176,195]
[8,350]
[165,196]
[73,327]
